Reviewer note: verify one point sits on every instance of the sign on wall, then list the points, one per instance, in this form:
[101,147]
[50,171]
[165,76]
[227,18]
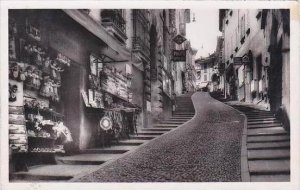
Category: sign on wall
[179,39]
[179,55]
[237,61]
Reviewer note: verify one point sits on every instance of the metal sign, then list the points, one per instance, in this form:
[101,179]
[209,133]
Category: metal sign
[105,123]
[179,39]
[246,59]
[179,55]
[237,61]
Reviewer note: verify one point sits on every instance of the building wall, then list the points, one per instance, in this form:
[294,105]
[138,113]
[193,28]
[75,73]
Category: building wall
[260,42]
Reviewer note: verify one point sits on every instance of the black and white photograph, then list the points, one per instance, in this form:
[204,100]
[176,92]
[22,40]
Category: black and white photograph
[159,94]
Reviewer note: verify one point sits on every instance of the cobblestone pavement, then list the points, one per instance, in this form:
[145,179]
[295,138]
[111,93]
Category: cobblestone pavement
[207,148]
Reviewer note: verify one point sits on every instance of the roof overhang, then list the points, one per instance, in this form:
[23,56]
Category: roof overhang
[116,50]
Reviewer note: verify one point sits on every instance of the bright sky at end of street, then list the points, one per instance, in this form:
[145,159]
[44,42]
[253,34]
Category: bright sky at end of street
[204,31]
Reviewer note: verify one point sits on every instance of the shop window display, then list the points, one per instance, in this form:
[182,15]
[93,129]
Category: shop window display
[109,92]
[34,81]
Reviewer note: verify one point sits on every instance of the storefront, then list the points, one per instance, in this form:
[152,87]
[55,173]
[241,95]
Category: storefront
[68,90]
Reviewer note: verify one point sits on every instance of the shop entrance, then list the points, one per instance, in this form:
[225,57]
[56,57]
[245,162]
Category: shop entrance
[70,102]
[275,82]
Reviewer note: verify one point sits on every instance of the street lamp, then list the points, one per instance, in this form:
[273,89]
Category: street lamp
[194,19]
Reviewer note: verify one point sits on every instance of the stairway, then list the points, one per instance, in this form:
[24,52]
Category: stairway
[268,146]
[87,160]
[184,111]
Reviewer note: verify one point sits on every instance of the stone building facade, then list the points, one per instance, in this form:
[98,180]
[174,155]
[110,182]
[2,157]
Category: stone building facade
[134,45]
[256,57]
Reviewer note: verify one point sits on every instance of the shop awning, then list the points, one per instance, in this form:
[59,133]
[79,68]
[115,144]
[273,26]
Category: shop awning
[121,52]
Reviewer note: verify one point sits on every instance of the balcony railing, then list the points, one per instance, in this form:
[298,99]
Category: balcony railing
[141,46]
[113,20]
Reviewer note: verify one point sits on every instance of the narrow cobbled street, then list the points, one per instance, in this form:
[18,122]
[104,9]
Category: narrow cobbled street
[206,148]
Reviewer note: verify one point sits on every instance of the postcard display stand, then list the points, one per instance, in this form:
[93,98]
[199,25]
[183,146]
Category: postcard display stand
[109,93]
[34,81]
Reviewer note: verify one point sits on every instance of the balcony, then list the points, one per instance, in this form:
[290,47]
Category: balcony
[114,23]
[139,45]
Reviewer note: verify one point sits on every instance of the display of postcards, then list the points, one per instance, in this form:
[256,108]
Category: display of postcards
[39,117]
[43,103]
[15,93]
[40,149]
[91,98]
[99,99]
[17,138]
[18,110]
[47,122]
[16,119]
[31,133]
[31,117]
[17,129]
[44,134]
[93,66]
[59,149]
[19,147]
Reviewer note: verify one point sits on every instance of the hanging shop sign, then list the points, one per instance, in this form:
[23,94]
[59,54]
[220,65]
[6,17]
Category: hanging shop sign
[106,123]
[246,59]
[179,55]
[179,39]
[237,61]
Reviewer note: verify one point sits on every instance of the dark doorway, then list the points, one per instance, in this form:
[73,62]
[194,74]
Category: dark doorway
[153,50]
[183,82]
[275,72]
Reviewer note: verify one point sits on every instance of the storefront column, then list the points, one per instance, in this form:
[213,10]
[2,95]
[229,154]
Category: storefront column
[247,83]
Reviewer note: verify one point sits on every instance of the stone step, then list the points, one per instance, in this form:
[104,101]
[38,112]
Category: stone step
[177,119]
[87,159]
[181,117]
[259,117]
[270,178]
[265,126]
[266,131]
[262,122]
[269,167]
[130,142]
[157,129]
[150,133]
[277,154]
[165,125]
[51,172]
[183,114]
[143,137]
[259,113]
[108,150]
[268,145]
[265,139]
[172,122]
[266,119]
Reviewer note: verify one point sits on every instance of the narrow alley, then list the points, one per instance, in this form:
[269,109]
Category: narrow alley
[206,148]
[148,95]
